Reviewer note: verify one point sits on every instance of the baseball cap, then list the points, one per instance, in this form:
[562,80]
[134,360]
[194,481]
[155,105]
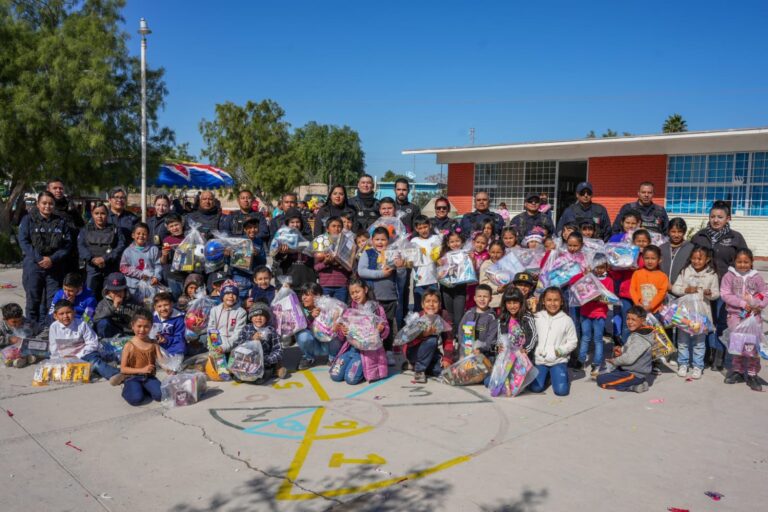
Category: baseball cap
[584,185]
[115,282]
[532,195]
[523,278]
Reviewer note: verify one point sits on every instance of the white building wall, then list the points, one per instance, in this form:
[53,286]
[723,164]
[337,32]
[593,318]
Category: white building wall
[754,229]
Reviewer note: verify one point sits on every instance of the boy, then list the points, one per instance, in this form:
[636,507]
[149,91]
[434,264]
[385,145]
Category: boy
[192,283]
[242,276]
[214,282]
[525,283]
[12,327]
[82,298]
[114,312]
[425,269]
[263,291]
[259,329]
[226,321]
[169,323]
[347,221]
[175,226]
[71,337]
[387,209]
[630,370]
[479,327]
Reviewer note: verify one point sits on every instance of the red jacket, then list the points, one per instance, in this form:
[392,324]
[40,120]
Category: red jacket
[623,278]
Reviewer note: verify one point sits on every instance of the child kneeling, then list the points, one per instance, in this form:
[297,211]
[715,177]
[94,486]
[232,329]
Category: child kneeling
[423,353]
[138,362]
[630,370]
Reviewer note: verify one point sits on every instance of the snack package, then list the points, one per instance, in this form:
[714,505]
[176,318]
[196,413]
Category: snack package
[503,271]
[10,353]
[662,345]
[287,313]
[196,317]
[689,313]
[455,268]
[748,332]
[182,389]
[189,256]
[394,227]
[345,250]
[589,288]
[111,349]
[622,255]
[168,362]
[324,243]
[292,239]
[467,371]
[415,324]
[60,370]
[330,312]
[362,331]
[559,271]
[512,372]
[246,361]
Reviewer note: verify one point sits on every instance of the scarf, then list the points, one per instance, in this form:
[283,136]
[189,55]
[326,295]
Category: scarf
[716,236]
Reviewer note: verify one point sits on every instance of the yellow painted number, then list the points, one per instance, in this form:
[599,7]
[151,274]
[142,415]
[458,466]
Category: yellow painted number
[337,459]
[288,385]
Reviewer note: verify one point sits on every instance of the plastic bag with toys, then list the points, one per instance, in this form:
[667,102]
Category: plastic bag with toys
[345,250]
[362,329]
[689,313]
[394,227]
[182,389]
[589,288]
[287,312]
[512,372]
[196,317]
[246,361]
[415,324]
[455,268]
[330,313]
[189,255]
[622,255]
[503,271]
[292,239]
[662,345]
[746,338]
[467,371]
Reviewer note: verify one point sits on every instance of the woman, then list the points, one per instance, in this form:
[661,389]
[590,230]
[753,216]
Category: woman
[46,243]
[100,245]
[157,230]
[441,222]
[724,243]
[335,207]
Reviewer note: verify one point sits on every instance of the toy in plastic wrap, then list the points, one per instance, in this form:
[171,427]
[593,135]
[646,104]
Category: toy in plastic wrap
[393,225]
[589,288]
[182,389]
[689,313]
[287,313]
[662,345]
[216,356]
[503,271]
[530,258]
[467,371]
[290,238]
[748,332]
[323,243]
[145,292]
[456,268]
[512,372]
[345,250]
[196,317]
[168,362]
[246,361]
[362,331]
[241,256]
[10,353]
[35,347]
[214,255]
[189,255]
[60,370]
[559,273]
[111,349]
[330,313]
[240,251]
[622,255]
[467,337]
[415,324]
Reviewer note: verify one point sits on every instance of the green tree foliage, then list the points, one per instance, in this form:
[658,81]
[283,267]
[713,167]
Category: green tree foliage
[675,124]
[70,97]
[609,133]
[324,151]
[591,134]
[391,176]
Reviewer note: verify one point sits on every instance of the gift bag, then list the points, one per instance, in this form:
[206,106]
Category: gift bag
[182,389]
[287,312]
[168,362]
[111,349]
[467,371]
[145,292]
[330,314]
[324,244]
[559,271]
[189,255]
[662,345]
[622,255]
[216,367]
[10,353]
[196,317]
[689,313]
[455,268]
[394,227]
[589,288]
[415,324]
[362,331]
[345,250]
[292,239]
[530,258]
[748,332]
[503,271]
[246,361]
[60,370]
[511,373]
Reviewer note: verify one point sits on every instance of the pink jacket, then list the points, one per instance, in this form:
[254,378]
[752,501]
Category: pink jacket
[378,311]
[735,289]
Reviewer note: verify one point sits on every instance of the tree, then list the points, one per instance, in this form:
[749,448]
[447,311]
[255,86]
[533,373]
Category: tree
[436,178]
[70,98]
[324,151]
[179,153]
[391,176]
[675,124]
[609,133]
[253,143]
[591,134]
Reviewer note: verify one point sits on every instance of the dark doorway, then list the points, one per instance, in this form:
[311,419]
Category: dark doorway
[569,174]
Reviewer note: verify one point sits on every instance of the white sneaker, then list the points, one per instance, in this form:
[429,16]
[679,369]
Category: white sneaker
[390,358]
[696,373]
[683,372]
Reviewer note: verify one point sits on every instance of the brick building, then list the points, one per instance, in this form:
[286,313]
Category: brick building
[690,170]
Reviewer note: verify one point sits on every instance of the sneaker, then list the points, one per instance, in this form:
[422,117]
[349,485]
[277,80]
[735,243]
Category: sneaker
[734,378]
[282,372]
[419,378]
[595,370]
[682,372]
[390,358]
[656,368]
[117,379]
[696,374]
[20,362]
[407,366]
[640,388]
[306,364]
[753,383]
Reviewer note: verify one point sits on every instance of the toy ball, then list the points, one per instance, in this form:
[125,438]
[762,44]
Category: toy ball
[214,251]
[195,320]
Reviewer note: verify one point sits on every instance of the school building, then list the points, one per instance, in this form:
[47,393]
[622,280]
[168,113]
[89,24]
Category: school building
[690,170]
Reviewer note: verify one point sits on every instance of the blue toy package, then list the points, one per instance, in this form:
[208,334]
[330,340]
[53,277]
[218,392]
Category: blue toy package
[622,255]
[561,271]
[456,268]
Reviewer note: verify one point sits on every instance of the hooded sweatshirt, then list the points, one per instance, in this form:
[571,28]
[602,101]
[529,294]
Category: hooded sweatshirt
[84,304]
[704,280]
[636,354]
[229,322]
[184,299]
[138,262]
[172,329]
[736,288]
[557,338]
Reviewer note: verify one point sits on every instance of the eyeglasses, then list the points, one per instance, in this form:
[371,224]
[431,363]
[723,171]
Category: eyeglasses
[441,207]
[534,201]
[119,198]
[586,192]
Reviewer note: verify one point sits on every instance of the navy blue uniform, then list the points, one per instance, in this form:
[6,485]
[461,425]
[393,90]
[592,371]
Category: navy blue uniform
[108,243]
[597,213]
[124,222]
[474,222]
[367,209]
[524,223]
[234,224]
[652,217]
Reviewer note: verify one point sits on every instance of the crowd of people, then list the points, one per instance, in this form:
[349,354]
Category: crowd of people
[82,283]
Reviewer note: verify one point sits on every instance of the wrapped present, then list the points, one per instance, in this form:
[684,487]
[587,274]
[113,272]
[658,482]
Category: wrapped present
[111,349]
[622,255]
[393,225]
[415,324]
[246,361]
[503,271]
[589,288]
[196,317]
[35,347]
[170,363]
[512,372]
[240,251]
[145,292]
[330,313]
[689,313]
[467,371]
[559,271]
[456,268]
[216,368]
[345,250]
[189,255]
[10,353]
[530,258]
[290,238]
[182,389]
[59,370]
[362,329]
[748,332]
[287,312]
[662,345]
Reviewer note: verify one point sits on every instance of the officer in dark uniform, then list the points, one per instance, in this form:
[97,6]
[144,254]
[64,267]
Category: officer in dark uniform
[46,242]
[406,210]
[583,209]
[289,201]
[156,223]
[531,218]
[207,217]
[100,246]
[364,203]
[441,222]
[474,221]
[65,209]
[118,214]
[653,217]
[235,221]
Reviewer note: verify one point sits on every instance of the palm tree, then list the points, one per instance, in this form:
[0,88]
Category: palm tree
[675,124]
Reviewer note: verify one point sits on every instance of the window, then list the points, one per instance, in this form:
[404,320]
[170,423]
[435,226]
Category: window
[694,182]
[509,182]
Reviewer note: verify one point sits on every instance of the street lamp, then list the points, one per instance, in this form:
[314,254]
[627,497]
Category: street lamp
[144,31]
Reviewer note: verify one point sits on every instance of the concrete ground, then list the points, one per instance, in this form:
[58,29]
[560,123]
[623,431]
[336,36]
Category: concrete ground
[309,444]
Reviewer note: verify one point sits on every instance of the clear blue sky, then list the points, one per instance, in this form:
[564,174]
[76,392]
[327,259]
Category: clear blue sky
[421,73]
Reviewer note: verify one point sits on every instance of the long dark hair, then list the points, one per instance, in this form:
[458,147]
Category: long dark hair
[330,191]
[444,248]
[512,295]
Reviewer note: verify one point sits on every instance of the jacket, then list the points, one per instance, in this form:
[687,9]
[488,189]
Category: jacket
[107,242]
[704,280]
[724,251]
[443,226]
[383,287]
[653,217]
[557,338]
[484,279]
[528,324]
[406,212]
[486,329]
[328,211]
[595,308]
[40,237]
[594,212]
[735,289]
[139,262]
[206,221]
[524,223]
[157,229]
[229,322]
[270,344]
[84,304]
[636,354]
[672,265]
[330,274]
[266,295]
[367,210]
[642,277]
[474,222]
[172,329]
[120,317]
[235,221]
[77,339]
[124,222]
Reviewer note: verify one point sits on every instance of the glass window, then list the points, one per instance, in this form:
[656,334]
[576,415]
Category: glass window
[509,182]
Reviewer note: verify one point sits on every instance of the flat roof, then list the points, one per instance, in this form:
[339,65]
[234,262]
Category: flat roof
[713,141]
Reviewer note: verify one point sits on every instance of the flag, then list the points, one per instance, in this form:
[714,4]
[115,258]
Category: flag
[193,175]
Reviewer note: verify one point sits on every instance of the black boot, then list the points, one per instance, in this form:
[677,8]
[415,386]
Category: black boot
[734,377]
[717,361]
[708,357]
[753,383]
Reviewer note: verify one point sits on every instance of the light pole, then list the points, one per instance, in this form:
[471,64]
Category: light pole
[144,30]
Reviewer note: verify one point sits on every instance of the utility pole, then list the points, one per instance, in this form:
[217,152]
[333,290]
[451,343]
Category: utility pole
[144,31]
[471,136]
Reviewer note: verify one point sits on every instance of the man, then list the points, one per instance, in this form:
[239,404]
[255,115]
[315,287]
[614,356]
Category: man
[118,215]
[474,221]
[364,203]
[234,222]
[63,207]
[583,209]
[531,217]
[653,217]
[207,216]
[406,210]
[287,202]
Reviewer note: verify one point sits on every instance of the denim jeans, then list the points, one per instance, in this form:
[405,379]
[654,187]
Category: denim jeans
[310,347]
[557,375]
[425,357]
[99,366]
[625,305]
[337,292]
[176,287]
[592,332]
[686,342]
[418,293]
[403,276]
[137,387]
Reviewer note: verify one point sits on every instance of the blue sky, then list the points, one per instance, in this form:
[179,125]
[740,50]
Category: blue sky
[422,73]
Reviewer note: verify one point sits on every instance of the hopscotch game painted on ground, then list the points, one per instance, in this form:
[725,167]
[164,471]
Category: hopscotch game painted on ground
[352,440]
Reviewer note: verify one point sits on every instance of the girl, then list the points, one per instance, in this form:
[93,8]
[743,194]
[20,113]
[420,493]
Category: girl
[495,253]
[479,255]
[332,277]
[295,264]
[141,261]
[453,297]
[138,362]
[649,285]
[156,223]
[629,223]
[622,278]
[592,316]
[574,245]
[360,298]
[311,349]
[677,251]
[100,245]
[509,237]
[423,353]
[744,293]
[516,309]
[557,339]
[698,277]
[488,232]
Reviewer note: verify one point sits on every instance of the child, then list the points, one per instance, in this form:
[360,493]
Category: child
[141,260]
[495,253]
[515,309]
[629,222]
[383,279]
[675,253]
[263,291]
[698,277]
[557,339]
[192,283]
[424,269]
[593,315]
[479,254]
[137,365]
[454,297]
[244,276]
[71,337]
[629,371]
[82,298]
[524,282]
[587,228]
[297,265]
[622,280]
[332,276]
[114,312]
[12,328]
[509,238]
[479,327]
[423,353]
[310,347]
[360,298]
[170,324]
[649,285]
[533,240]
[226,320]
[745,293]
[487,231]
[175,227]
[347,221]
[549,244]
[259,329]
[214,283]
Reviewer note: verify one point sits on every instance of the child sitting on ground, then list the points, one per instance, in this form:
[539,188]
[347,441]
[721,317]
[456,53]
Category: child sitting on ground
[226,320]
[170,325]
[259,330]
[311,349]
[138,362]
[82,298]
[114,312]
[12,327]
[630,370]
[192,283]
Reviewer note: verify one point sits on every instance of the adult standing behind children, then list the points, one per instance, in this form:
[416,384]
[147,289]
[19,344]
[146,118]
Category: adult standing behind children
[100,245]
[441,222]
[583,209]
[118,213]
[653,217]
[156,223]
[474,221]
[234,223]
[531,217]
[337,206]
[207,216]
[406,210]
[365,203]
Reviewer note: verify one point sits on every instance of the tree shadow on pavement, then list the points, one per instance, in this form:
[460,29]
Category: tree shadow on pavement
[529,501]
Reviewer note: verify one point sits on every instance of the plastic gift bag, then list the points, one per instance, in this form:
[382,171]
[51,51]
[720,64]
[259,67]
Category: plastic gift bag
[345,250]
[559,271]
[330,312]
[292,239]
[415,324]
[145,292]
[455,268]
[246,361]
[745,339]
[196,317]
[689,313]
[511,373]
[189,255]
[10,353]
[503,271]
[168,362]
[394,227]
[35,347]
[111,349]
[622,255]
[324,243]
[362,330]
[288,315]
[60,370]
[589,288]
[467,371]
[662,345]
[530,258]
[182,389]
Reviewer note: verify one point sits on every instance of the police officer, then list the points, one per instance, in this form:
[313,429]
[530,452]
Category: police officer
[235,221]
[531,217]
[65,209]
[406,210]
[207,217]
[474,221]
[653,217]
[364,203]
[584,208]
[156,223]
[441,222]
[289,201]
[118,214]
[100,246]
[336,206]
[46,242]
